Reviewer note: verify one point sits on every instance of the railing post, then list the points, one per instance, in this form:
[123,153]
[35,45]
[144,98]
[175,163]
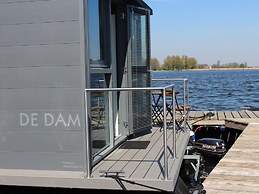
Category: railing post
[165,136]
[174,126]
[184,103]
[87,139]
[187,98]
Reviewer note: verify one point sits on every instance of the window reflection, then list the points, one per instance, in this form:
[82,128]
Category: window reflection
[100,112]
[139,39]
[98,33]
[94,28]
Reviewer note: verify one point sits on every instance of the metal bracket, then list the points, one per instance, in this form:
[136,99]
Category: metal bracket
[108,173]
[197,167]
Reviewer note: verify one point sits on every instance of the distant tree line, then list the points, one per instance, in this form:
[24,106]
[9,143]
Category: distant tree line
[176,62]
[230,65]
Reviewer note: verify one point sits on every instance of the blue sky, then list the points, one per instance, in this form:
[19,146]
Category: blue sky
[209,30]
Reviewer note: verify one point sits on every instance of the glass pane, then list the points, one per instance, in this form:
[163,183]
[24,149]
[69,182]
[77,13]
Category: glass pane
[141,102]
[97,36]
[141,106]
[94,30]
[100,113]
[138,39]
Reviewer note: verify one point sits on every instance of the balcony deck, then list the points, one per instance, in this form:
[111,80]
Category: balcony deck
[143,168]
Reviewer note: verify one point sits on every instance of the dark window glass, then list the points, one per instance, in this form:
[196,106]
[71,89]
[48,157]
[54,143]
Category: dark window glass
[100,113]
[98,12]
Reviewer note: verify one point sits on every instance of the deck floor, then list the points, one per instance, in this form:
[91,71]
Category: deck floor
[143,168]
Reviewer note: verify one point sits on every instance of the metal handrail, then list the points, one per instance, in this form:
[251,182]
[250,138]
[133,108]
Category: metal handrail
[185,96]
[163,90]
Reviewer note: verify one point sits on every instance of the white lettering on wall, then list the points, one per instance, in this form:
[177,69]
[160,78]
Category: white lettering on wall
[60,121]
[34,119]
[75,122]
[31,119]
[49,120]
[24,119]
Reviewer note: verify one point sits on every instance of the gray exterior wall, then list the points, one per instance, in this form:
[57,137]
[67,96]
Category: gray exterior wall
[41,85]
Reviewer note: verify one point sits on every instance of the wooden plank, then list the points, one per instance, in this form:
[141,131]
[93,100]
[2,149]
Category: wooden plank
[243,114]
[140,163]
[199,114]
[174,164]
[158,162]
[108,162]
[235,125]
[237,171]
[196,117]
[120,158]
[210,122]
[221,115]
[192,113]
[228,115]
[128,159]
[181,148]
[236,114]
[112,159]
[256,113]
[251,114]
[215,114]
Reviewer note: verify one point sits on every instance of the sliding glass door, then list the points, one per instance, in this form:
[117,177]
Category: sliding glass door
[138,68]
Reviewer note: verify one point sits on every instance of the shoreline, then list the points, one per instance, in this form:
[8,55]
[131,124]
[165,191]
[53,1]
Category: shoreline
[212,69]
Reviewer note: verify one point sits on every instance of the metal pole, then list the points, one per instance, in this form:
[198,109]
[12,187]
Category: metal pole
[184,103]
[165,137]
[87,139]
[174,126]
[187,97]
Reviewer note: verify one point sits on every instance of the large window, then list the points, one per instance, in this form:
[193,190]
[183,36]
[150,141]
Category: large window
[99,33]
[100,112]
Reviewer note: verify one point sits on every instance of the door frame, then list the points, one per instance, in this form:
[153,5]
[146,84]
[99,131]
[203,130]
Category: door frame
[138,69]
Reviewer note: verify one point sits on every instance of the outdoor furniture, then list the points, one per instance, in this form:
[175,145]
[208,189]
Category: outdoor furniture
[158,109]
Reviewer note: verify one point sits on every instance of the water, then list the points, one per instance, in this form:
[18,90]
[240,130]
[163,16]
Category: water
[219,90]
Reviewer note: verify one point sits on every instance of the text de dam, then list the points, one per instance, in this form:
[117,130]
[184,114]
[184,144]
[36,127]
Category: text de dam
[50,120]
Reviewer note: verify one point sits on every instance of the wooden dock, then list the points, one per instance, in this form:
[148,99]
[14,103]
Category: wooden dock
[219,117]
[238,171]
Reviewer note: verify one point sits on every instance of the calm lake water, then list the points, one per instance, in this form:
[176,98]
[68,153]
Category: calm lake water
[218,90]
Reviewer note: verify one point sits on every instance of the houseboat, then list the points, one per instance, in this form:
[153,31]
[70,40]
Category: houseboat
[75,99]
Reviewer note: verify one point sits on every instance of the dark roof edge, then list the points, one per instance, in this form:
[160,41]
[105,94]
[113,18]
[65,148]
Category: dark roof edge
[144,5]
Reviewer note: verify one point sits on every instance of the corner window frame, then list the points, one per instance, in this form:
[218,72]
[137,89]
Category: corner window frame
[103,10]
